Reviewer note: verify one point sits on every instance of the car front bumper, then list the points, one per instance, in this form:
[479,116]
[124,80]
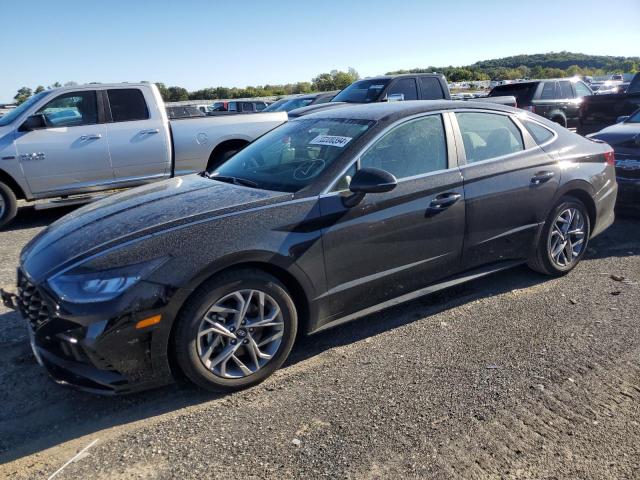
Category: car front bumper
[98,351]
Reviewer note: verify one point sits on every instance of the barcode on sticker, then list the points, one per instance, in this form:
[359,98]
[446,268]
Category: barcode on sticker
[330,140]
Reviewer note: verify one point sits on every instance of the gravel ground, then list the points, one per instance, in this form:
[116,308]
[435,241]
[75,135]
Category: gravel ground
[512,376]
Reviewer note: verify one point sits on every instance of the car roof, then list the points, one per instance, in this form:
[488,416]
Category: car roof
[381,111]
[400,75]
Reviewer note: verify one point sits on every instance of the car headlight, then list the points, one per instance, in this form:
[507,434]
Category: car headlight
[82,286]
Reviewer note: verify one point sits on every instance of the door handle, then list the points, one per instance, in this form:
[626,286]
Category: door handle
[149,131]
[444,201]
[541,177]
[94,136]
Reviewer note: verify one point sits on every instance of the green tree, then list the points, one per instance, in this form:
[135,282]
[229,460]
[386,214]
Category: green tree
[335,80]
[177,94]
[39,89]
[55,85]
[23,94]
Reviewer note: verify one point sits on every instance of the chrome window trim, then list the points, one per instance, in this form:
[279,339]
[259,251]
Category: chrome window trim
[449,143]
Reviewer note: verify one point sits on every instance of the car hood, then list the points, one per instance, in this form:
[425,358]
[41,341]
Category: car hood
[619,133]
[133,214]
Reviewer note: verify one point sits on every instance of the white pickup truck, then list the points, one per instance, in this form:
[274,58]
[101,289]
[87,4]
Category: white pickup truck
[71,142]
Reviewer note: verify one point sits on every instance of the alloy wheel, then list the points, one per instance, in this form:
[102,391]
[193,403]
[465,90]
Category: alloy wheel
[240,334]
[567,237]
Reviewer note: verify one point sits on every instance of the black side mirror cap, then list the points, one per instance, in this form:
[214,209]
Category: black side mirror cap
[33,122]
[372,180]
[368,180]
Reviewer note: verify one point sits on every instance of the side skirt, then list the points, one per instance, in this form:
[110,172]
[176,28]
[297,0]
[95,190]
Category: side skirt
[456,280]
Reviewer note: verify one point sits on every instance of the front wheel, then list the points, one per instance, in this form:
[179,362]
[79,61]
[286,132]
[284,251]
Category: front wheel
[236,330]
[8,205]
[564,238]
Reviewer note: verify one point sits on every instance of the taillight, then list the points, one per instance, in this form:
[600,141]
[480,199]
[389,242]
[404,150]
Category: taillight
[610,157]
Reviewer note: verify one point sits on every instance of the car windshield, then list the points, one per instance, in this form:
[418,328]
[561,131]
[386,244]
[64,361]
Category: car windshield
[16,112]
[289,157]
[635,118]
[275,105]
[522,91]
[363,91]
[291,104]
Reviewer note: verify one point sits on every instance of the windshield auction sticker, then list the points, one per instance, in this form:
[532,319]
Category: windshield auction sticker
[330,140]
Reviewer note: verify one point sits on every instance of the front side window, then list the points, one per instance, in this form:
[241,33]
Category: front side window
[430,88]
[488,135]
[127,104]
[291,156]
[582,90]
[71,109]
[548,91]
[412,148]
[405,87]
[565,90]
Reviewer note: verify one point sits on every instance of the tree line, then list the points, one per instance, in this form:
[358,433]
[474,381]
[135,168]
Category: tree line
[545,65]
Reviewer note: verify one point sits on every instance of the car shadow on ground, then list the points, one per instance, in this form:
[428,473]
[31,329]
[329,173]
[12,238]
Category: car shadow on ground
[37,414]
[29,217]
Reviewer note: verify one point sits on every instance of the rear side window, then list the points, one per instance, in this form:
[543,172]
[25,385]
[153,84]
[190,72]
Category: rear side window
[413,148]
[406,87]
[488,135]
[565,90]
[539,133]
[127,104]
[430,88]
[548,91]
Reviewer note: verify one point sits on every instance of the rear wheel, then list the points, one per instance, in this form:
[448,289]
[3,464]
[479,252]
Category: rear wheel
[220,157]
[564,238]
[559,119]
[8,205]
[236,330]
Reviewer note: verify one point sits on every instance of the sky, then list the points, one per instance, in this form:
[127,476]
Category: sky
[197,44]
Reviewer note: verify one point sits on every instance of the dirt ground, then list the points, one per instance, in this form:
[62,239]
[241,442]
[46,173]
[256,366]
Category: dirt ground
[512,376]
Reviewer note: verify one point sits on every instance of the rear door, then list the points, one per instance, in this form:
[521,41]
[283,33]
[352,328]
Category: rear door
[71,153]
[404,88]
[396,242]
[568,102]
[136,131]
[509,186]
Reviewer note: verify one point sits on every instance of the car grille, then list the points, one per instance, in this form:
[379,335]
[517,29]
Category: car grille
[31,303]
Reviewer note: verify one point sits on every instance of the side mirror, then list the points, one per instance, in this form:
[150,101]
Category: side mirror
[395,97]
[369,180]
[622,118]
[33,122]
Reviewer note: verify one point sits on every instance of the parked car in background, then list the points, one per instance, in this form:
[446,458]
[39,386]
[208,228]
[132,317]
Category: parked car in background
[391,88]
[324,219]
[187,111]
[600,111]
[556,99]
[79,140]
[298,101]
[624,137]
[237,106]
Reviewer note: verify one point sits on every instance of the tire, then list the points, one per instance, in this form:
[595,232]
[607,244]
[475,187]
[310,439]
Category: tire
[221,157]
[560,120]
[193,346]
[543,260]
[8,205]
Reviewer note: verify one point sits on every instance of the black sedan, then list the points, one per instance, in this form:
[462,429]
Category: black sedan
[624,137]
[322,220]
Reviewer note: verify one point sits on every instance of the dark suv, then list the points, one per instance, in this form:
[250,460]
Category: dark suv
[556,99]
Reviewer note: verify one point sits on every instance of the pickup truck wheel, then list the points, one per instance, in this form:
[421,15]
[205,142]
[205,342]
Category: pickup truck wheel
[559,119]
[8,205]
[235,331]
[564,239]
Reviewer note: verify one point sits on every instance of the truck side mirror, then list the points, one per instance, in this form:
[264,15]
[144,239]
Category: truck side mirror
[33,122]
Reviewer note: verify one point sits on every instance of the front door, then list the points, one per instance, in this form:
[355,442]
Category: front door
[400,241]
[71,152]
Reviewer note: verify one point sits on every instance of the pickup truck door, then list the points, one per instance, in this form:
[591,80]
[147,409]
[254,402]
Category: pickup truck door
[70,153]
[137,135]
